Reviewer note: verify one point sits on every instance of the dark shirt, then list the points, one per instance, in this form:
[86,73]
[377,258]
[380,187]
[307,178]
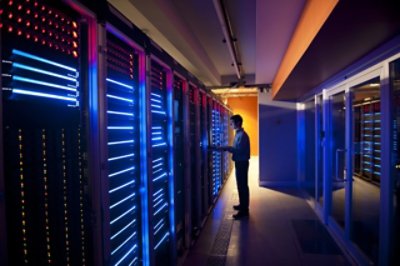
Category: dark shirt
[241,146]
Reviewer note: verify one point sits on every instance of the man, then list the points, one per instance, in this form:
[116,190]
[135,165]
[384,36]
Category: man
[240,155]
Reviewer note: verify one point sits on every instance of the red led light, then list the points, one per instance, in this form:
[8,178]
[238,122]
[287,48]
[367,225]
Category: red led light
[50,44]
[36,27]
[43,42]
[50,33]
[35,39]
[10,15]
[19,20]
[74,34]
[43,8]
[28,36]
[28,23]
[36,4]
[1,25]
[36,15]
[43,31]
[19,7]
[1,12]
[50,12]
[10,29]
[50,22]
[10,3]
[75,54]
[43,19]
[75,44]
[74,24]
[19,32]
[28,11]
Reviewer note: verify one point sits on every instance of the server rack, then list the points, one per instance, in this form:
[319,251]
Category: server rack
[204,154]
[368,134]
[182,165]
[121,104]
[161,182]
[225,142]
[44,58]
[216,155]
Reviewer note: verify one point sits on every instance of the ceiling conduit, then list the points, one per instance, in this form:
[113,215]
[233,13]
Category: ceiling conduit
[228,35]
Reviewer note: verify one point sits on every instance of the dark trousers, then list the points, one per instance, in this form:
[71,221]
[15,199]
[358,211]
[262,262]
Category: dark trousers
[242,169]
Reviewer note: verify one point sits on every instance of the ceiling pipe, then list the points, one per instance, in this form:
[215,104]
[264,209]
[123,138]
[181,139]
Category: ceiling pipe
[228,35]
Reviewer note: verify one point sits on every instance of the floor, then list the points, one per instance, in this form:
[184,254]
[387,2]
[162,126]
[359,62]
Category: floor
[282,230]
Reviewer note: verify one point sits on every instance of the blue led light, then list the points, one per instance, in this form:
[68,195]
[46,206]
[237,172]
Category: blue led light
[121,157]
[155,100]
[157,138]
[123,229]
[43,95]
[156,106]
[156,171]
[162,239]
[119,113]
[41,71]
[121,186]
[123,243]
[41,59]
[159,177]
[38,82]
[159,201]
[120,142]
[160,209]
[157,95]
[161,144]
[157,165]
[158,192]
[158,159]
[158,112]
[123,200]
[158,197]
[126,255]
[119,83]
[156,127]
[156,133]
[122,171]
[119,98]
[120,128]
[122,215]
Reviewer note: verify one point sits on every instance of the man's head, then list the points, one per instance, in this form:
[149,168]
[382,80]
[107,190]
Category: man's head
[236,121]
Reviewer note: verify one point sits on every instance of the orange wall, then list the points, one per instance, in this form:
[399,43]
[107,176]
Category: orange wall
[247,107]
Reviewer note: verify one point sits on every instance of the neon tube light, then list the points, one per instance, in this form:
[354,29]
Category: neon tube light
[44,95]
[48,84]
[155,100]
[123,229]
[41,71]
[119,113]
[121,157]
[157,138]
[120,142]
[158,197]
[156,160]
[158,224]
[123,243]
[156,133]
[157,165]
[119,83]
[123,200]
[156,106]
[122,215]
[158,202]
[162,239]
[156,127]
[158,112]
[122,171]
[41,59]
[158,191]
[119,98]
[161,144]
[126,255]
[120,128]
[156,171]
[122,186]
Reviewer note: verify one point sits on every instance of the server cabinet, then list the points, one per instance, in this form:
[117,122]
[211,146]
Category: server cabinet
[45,76]
[368,135]
[225,141]
[204,155]
[121,99]
[216,155]
[194,118]
[161,179]
[181,165]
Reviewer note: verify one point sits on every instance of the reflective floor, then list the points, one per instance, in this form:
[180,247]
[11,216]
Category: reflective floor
[282,230]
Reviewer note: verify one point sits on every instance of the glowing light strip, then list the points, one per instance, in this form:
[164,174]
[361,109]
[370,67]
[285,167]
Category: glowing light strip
[159,170]
[123,243]
[119,83]
[159,177]
[122,215]
[158,202]
[159,229]
[119,98]
[155,100]
[134,260]
[156,106]
[48,84]
[122,186]
[158,191]
[156,160]
[123,229]
[158,224]
[157,95]
[161,144]
[158,197]
[156,127]
[44,95]
[41,71]
[122,171]
[119,113]
[157,165]
[157,138]
[121,157]
[156,133]
[158,112]
[123,200]
[160,209]
[120,128]
[162,239]
[41,59]
[120,142]
[126,255]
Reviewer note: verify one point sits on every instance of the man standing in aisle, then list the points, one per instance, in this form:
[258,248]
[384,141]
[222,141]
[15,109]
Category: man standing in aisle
[240,155]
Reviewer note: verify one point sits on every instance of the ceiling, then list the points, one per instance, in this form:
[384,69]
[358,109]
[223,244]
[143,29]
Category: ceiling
[190,31]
